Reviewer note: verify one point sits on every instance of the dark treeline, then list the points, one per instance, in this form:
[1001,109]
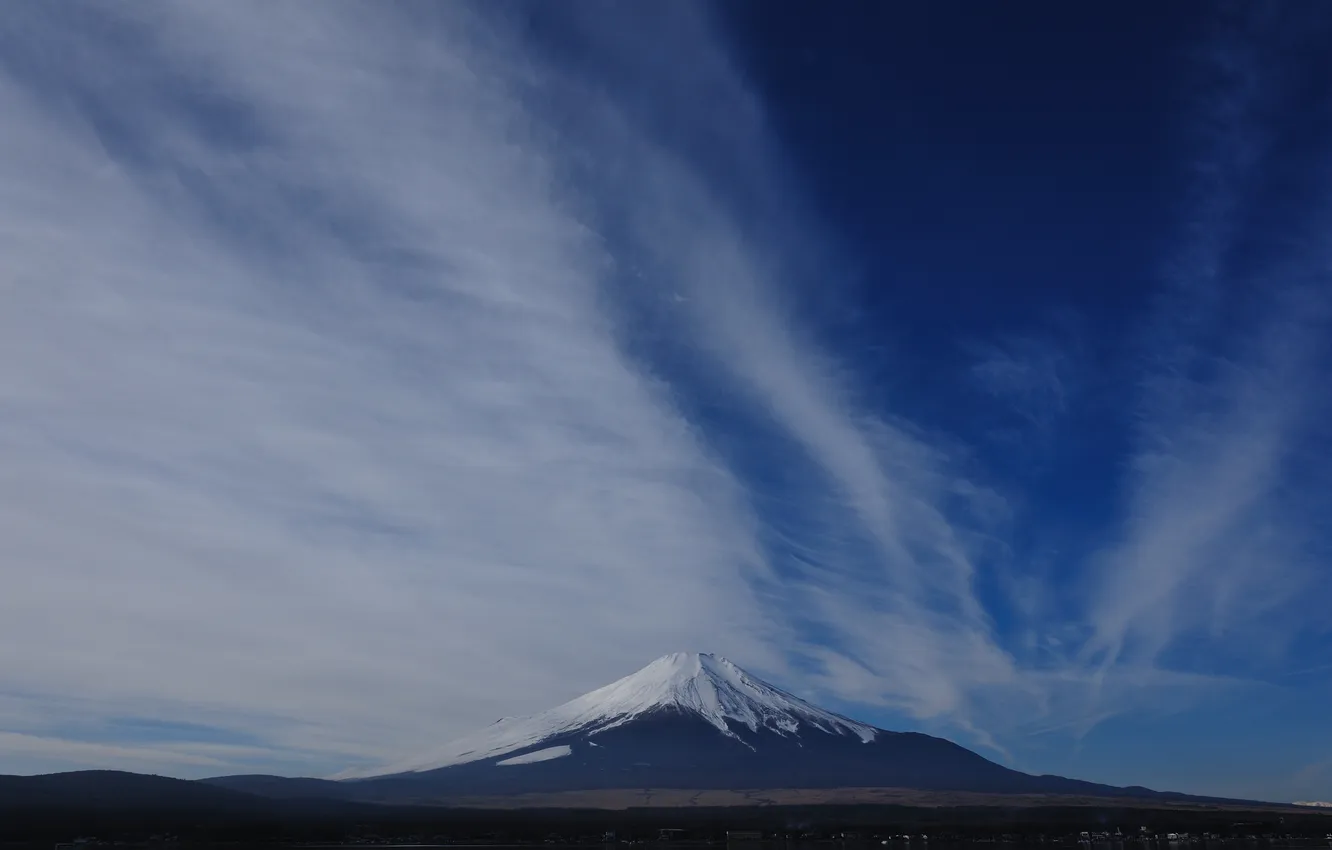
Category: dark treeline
[341,823]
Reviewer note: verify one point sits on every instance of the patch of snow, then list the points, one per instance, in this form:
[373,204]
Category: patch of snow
[705,685]
[540,755]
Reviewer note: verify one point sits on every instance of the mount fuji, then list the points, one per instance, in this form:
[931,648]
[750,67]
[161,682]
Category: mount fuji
[699,695]
[685,721]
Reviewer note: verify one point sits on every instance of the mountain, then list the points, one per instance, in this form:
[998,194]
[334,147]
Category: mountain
[685,721]
[114,789]
[699,688]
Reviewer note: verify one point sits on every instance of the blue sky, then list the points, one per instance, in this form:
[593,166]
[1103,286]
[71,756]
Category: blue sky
[374,371]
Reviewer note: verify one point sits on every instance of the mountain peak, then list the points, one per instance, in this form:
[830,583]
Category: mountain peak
[666,680]
[700,684]
[685,663]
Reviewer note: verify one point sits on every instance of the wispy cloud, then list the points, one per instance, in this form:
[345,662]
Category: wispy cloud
[1032,374]
[1218,523]
[312,406]
[880,566]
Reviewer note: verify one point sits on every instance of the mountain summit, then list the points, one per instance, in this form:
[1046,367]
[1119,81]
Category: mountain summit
[685,721]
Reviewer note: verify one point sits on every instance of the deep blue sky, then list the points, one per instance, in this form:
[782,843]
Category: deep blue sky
[373,371]
[1045,138]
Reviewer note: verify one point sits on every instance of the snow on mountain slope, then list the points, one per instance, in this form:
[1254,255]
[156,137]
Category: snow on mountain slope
[540,755]
[701,684]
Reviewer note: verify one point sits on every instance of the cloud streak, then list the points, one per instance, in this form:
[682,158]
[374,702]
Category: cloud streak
[1217,532]
[313,406]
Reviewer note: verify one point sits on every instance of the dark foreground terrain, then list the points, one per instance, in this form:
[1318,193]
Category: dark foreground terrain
[150,809]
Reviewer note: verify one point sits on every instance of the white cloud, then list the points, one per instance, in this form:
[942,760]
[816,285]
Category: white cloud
[1031,373]
[895,560]
[324,420]
[1215,540]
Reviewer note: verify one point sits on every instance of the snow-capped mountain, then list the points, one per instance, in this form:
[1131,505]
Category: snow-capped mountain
[700,685]
[685,721]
